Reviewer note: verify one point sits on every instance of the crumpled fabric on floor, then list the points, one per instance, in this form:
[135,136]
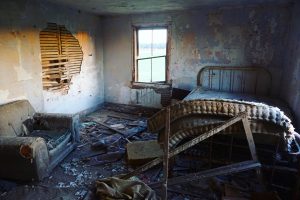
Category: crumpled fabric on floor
[115,188]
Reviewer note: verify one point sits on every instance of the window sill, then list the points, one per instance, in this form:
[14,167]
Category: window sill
[141,85]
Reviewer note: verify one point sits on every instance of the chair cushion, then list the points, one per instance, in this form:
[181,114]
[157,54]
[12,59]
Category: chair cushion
[52,137]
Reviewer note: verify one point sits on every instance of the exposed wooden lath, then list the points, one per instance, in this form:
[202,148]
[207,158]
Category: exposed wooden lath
[61,57]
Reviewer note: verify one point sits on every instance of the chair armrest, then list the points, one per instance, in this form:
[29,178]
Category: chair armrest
[58,121]
[26,158]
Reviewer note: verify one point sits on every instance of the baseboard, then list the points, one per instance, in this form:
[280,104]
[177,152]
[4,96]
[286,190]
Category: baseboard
[87,111]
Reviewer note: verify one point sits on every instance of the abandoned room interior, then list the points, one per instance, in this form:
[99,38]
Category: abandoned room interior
[149,99]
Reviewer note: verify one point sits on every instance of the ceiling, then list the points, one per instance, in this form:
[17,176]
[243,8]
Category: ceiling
[117,7]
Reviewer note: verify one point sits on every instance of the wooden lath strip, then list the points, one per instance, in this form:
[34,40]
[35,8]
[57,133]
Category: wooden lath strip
[54,64]
[58,57]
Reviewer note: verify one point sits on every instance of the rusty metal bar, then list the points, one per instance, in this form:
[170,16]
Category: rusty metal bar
[187,145]
[229,169]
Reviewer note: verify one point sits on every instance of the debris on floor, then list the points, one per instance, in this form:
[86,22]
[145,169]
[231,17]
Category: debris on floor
[27,192]
[114,140]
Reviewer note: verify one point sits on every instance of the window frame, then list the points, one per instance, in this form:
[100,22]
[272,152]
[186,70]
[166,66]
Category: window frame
[135,29]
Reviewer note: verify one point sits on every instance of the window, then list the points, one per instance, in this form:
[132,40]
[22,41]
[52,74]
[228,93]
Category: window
[151,54]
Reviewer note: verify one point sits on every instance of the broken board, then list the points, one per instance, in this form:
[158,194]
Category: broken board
[141,152]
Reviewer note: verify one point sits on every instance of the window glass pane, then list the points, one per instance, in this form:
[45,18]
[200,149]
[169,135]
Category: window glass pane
[144,43]
[144,70]
[159,42]
[159,69]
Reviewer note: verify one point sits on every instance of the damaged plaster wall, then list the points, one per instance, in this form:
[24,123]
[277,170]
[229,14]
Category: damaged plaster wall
[290,89]
[232,36]
[21,69]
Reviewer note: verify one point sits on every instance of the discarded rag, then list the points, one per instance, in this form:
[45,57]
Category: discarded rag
[115,188]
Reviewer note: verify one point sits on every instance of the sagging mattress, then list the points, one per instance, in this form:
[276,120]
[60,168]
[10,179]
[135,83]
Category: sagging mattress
[200,93]
[267,116]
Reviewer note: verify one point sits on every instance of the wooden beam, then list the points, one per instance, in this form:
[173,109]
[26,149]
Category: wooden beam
[249,137]
[166,155]
[188,144]
[228,169]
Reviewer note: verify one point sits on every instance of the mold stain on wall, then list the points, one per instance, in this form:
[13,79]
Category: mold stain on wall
[290,87]
[235,36]
[243,36]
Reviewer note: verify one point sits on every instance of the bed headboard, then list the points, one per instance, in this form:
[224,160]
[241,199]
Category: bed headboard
[249,80]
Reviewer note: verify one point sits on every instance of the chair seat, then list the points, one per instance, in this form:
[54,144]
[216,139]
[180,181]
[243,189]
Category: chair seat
[52,137]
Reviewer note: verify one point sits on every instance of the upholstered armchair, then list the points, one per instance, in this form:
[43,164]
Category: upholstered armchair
[32,144]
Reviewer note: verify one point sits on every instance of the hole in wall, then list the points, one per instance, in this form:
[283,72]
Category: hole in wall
[61,57]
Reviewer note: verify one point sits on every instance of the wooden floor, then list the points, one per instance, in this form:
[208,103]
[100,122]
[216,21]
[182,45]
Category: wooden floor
[102,153]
